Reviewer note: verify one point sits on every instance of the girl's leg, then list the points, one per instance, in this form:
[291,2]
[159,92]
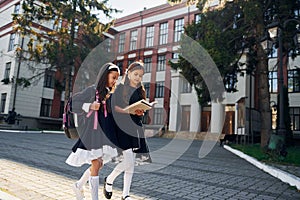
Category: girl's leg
[94,178]
[84,178]
[122,166]
[128,174]
[77,187]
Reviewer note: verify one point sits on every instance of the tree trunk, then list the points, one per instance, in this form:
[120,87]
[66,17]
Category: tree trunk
[263,97]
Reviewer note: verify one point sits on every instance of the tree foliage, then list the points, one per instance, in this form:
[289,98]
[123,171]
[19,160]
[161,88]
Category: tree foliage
[61,33]
[237,29]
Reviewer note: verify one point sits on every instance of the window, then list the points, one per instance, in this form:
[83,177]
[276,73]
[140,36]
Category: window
[11,42]
[121,42]
[273,52]
[120,65]
[3,101]
[294,80]
[46,107]
[178,29]
[147,89]
[197,18]
[158,116]
[230,82]
[108,44]
[7,70]
[17,9]
[295,119]
[159,89]
[186,86]
[149,36]
[175,55]
[273,82]
[133,39]
[163,33]
[147,64]
[49,80]
[161,63]
[130,61]
[297,11]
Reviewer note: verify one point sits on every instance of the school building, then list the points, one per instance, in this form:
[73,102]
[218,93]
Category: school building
[151,35]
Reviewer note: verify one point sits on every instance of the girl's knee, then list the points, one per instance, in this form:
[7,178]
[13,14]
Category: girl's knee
[97,164]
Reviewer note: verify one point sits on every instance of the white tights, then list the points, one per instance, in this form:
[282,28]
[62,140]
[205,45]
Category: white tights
[126,166]
[84,178]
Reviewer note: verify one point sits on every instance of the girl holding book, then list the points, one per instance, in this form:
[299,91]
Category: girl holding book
[95,123]
[130,133]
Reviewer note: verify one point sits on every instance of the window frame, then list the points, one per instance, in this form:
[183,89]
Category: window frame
[149,42]
[294,76]
[3,102]
[11,42]
[7,70]
[133,40]
[121,45]
[158,116]
[163,33]
[178,29]
[273,82]
[148,64]
[295,117]
[161,63]
[46,105]
[159,89]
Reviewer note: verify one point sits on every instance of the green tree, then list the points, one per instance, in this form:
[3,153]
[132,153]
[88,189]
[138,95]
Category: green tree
[61,34]
[232,30]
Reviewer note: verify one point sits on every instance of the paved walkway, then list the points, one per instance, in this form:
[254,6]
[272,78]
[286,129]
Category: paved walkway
[20,181]
[32,168]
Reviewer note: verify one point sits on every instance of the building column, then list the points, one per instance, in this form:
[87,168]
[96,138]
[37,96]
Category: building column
[195,116]
[174,114]
[217,117]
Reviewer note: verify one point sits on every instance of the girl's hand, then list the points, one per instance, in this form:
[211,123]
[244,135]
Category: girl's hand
[95,106]
[139,112]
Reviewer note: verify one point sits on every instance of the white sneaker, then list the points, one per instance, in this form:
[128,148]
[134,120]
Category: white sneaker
[78,192]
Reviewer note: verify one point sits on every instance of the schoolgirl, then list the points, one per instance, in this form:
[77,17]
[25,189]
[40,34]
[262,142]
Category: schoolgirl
[130,133]
[95,123]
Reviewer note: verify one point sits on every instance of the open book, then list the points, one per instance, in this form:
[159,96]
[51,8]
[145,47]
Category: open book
[142,104]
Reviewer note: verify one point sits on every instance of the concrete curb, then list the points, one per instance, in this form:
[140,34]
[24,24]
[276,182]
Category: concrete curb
[22,131]
[18,131]
[277,173]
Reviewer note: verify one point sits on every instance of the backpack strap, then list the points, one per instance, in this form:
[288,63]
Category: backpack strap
[95,112]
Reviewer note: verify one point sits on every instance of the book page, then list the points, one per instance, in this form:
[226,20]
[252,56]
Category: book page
[142,104]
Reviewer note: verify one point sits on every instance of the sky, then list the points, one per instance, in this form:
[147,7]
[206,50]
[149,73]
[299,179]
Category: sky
[132,6]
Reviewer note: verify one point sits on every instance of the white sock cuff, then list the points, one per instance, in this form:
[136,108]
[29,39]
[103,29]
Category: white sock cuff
[94,177]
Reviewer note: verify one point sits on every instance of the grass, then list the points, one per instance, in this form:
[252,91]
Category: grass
[292,158]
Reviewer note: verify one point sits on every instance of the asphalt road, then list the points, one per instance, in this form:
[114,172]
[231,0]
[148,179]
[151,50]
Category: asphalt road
[174,174]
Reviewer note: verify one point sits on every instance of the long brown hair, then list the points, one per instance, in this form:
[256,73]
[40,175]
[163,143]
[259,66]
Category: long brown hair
[140,88]
[102,79]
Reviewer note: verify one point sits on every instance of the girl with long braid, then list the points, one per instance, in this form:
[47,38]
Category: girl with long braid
[95,125]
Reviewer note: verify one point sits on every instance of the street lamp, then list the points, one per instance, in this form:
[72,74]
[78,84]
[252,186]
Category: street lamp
[275,31]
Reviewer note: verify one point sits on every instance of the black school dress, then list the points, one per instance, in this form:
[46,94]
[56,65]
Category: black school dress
[95,129]
[130,131]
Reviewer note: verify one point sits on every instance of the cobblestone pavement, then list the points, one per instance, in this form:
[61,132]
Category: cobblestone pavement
[32,167]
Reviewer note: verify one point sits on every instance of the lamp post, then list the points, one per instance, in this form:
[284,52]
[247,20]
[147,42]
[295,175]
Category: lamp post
[276,32]
[281,129]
